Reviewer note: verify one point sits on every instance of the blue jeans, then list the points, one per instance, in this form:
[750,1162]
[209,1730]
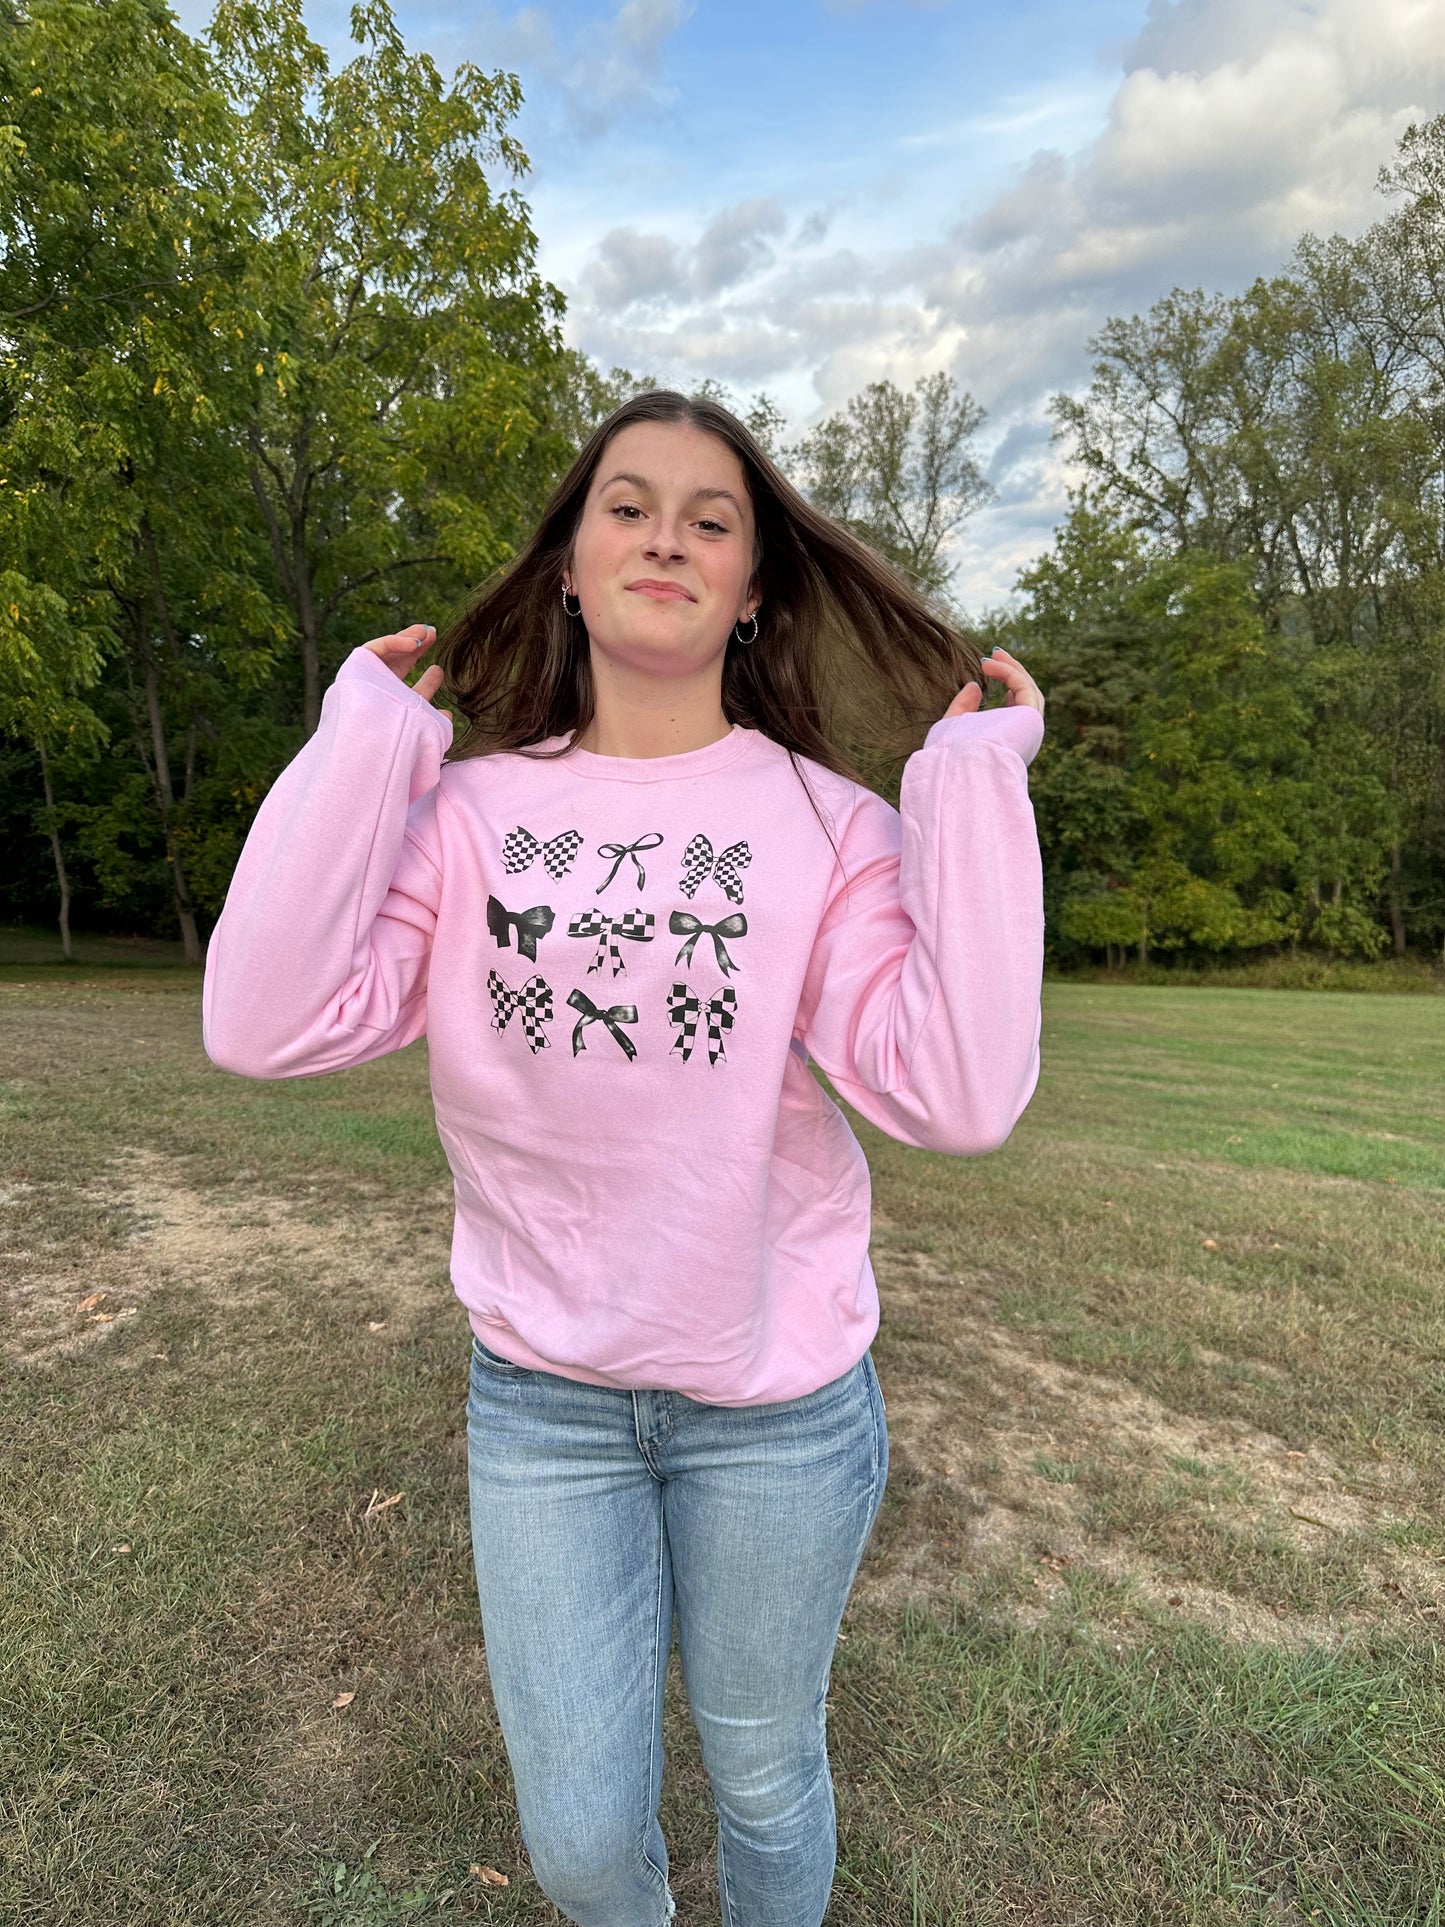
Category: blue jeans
[597,1513]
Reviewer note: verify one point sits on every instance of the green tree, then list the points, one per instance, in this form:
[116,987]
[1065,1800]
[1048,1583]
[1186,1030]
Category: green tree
[121,230]
[1168,786]
[272,344]
[1297,430]
[899,469]
[408,365]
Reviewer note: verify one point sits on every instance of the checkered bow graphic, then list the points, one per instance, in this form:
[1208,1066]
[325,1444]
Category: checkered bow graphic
[619,850]
[697,862]
[684,1008]
[682,923]
[636,924]
[530,924]
[520,848]
[533,1000]
[590,1014]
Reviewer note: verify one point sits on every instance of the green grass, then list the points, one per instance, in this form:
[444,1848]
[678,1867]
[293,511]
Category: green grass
[1306,970]
[1150,1629]
[29,944]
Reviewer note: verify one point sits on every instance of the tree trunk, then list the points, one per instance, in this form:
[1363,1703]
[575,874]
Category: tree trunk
[58,853]
[290,556]
[165,794]
[306,615]
[1397,915]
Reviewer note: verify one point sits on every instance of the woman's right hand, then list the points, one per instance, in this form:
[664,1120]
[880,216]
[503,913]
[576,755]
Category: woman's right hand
[401,651]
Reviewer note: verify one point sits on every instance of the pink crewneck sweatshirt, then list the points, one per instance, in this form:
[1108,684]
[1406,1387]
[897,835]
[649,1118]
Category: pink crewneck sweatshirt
[622,967]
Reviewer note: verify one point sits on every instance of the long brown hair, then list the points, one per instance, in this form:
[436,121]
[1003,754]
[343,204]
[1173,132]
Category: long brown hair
[850,665]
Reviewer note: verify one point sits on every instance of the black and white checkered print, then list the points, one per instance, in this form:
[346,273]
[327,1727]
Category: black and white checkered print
[533,999]
[697,862]
[685,1008]
[520,848]
[636,924]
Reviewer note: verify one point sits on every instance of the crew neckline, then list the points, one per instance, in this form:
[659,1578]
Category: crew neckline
[657,769]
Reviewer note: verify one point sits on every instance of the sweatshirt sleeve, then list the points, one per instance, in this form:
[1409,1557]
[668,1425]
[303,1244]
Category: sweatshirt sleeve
[319,958]
[922,997]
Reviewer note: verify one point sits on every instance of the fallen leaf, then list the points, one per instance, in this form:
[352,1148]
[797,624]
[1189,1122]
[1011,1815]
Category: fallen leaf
[90,1303]
[120,1548]
[376,1324]
[489,1877]
[343,1699]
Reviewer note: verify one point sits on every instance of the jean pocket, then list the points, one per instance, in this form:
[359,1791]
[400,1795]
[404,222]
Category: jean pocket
[492,1363]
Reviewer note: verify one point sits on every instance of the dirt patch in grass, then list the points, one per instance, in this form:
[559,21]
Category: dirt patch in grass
[151,1231]
[1008,1467]
[1044,1480]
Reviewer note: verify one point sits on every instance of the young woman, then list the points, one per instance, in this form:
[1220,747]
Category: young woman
[643,891]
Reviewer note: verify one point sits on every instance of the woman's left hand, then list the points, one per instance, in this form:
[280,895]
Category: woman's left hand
[1008,670]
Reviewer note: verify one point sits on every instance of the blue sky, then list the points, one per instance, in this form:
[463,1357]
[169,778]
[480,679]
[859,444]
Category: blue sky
[807,195]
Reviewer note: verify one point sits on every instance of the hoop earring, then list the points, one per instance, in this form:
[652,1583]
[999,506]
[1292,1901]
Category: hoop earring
[571,612]
[738,636]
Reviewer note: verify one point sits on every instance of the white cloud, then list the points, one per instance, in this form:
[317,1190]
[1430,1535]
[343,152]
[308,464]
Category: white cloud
[631,270]
[1235,125]
[735,244]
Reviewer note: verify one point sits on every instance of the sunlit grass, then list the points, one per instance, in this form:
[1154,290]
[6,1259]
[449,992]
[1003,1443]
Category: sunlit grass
[191,1578]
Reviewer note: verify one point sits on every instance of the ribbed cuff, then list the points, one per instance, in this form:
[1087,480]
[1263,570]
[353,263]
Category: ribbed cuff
[1020,727]
[364,665]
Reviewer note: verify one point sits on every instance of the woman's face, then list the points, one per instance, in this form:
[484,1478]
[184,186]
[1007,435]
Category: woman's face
[663,554]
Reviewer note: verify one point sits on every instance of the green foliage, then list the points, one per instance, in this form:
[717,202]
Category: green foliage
[276,372]
[1295,434]
[347,1896]
[1175,790]
[898,468]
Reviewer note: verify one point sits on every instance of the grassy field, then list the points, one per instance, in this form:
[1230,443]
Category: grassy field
[1151,1626]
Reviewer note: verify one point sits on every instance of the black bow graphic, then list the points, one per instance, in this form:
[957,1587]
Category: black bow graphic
[620,850]
[682,923]
[534,1000]
[530,924]
[636,924]
[684,1009]
[697,861]
[618,1014]
[519,847]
